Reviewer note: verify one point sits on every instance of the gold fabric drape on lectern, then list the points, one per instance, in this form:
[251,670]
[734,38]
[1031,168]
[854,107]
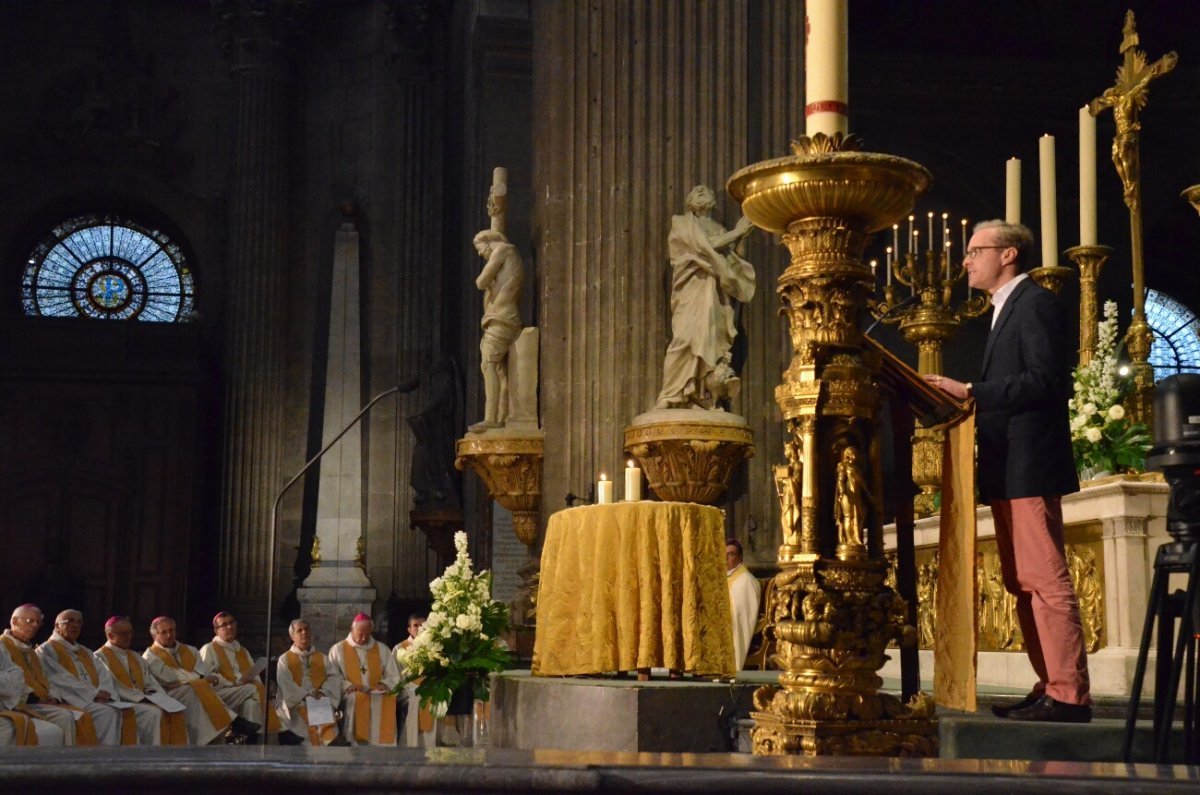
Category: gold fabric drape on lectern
[956,639]
[634,585]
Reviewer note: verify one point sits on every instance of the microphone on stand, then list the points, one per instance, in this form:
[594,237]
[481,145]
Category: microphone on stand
[912,299]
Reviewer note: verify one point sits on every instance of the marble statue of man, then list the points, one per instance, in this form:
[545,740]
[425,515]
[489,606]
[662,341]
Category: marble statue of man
[500,280]
[707,276]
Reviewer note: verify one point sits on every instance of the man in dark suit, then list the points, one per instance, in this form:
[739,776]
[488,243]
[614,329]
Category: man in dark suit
[1026,465]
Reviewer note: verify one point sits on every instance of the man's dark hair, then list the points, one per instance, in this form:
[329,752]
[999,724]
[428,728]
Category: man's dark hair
[415,617]
[733,542]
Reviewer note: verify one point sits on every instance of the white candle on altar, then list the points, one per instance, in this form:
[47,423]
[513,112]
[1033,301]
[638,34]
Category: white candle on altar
[931,231]
[889,265]
[947,246]
[896,239]
[633,483]
[604,490]
[1049,191]
[964,237]
[1087,178]
[1012,191]
[826,67]
[910,236]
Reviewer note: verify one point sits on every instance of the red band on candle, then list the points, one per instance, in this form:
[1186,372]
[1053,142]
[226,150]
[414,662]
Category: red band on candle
[827,106]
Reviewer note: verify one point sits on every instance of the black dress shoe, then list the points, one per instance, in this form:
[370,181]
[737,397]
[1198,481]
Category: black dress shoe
[1004,710]
[1050,711]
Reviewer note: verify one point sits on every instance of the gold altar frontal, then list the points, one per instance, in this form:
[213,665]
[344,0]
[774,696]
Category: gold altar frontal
[634,585]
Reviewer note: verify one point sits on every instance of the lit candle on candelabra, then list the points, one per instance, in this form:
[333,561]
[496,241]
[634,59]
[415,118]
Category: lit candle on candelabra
[1048,190]
[964,237]
[916,242]
[910,236]
[946,247]
[896,238]
[604,490]
[931,231]
[1012,191]
[1087,178]
[633,483]
[889,266]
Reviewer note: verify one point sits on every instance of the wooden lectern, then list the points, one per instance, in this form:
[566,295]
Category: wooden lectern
[912,400]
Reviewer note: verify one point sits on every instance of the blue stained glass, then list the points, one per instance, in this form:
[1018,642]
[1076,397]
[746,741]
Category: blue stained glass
[107,269]
[1176,346]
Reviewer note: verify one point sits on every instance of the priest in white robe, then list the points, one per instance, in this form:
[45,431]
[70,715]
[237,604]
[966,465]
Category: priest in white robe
[744,593]
[17,727]
[303,673]
[187,678]
[369,672]
[42,700]
[239,685]
[133,683]
[73,673]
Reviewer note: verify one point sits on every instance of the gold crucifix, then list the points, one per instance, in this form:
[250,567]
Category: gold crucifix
[1127,98]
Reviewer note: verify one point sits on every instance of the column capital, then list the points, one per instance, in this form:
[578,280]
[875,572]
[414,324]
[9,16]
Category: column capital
[255,33]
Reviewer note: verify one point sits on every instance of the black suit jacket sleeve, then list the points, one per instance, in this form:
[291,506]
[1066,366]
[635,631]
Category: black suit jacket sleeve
[1023,429]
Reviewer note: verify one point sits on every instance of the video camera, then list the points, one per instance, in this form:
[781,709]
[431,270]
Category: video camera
[1176,452]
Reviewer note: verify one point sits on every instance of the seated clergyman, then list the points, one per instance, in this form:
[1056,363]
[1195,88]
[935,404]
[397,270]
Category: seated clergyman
[369,673]
[303,673]
[180,670]
[239,685]
[133,683]
[17,725]
[41,699]
[73,673]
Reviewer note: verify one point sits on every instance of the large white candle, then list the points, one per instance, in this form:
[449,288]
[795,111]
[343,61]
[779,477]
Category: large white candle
[826,67]
[633,483]
[604,490]
[1087,178]
[1049,191]
[1012,191]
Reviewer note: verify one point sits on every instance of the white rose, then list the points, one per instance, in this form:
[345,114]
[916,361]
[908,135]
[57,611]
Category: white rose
[1116,411]
[1093,435]
[463,621]
[1088,409]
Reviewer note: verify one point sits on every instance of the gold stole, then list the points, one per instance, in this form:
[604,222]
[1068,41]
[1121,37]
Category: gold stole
[23,728]
[245,664]
[214,708]
[362,701]
[35,678]
[172,728]
[317,735]
[67,658]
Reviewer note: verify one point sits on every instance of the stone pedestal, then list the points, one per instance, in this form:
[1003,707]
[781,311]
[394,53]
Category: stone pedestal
[1114,525]
[689,455]
[510,463]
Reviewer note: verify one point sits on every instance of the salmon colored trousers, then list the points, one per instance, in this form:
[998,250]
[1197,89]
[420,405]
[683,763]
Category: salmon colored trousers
[1029,539]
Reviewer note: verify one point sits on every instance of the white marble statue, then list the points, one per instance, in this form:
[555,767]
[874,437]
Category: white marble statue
[500,280]
[708,276]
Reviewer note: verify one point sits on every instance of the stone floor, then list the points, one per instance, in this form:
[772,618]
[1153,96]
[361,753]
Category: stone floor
[235,770]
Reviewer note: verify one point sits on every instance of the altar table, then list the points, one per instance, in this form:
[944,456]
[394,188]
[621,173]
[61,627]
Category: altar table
[634,585]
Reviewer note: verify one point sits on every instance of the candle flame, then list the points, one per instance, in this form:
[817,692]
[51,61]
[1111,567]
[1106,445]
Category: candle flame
[629,463]
[603,476]
[945,216]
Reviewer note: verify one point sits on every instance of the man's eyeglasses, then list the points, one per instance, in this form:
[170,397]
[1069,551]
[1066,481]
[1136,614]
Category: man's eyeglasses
[227,624]
[974,252]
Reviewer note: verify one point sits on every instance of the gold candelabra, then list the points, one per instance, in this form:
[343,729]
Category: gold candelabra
[933,318]
[1090,260]
[832,612]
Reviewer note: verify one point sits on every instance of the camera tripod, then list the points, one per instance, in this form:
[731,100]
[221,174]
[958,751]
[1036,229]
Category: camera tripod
[1178,557]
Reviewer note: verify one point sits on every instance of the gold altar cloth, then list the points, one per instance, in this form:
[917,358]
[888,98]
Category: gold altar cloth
[956,640]
[634,585]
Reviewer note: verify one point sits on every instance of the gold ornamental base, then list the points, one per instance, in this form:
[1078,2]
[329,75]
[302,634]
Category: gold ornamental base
[689,455]
[510,464]
[773,736]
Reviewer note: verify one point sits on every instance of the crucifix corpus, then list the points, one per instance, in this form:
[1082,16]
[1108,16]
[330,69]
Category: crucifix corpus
[1126,98]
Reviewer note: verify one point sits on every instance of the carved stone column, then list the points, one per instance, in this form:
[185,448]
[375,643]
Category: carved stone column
[254,35]
[717,83]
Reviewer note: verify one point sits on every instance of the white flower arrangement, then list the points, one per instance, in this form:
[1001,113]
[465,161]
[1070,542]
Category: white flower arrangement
[458,644]
[1102,437]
